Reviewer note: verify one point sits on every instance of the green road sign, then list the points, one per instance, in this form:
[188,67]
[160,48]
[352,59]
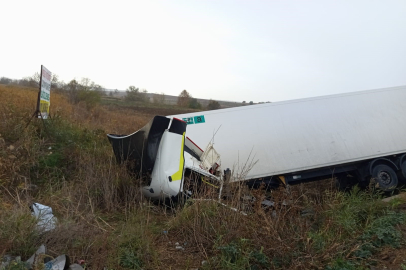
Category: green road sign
[199,119]
[188,120]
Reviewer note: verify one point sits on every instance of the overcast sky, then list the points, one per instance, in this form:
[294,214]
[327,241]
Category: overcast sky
[227,50]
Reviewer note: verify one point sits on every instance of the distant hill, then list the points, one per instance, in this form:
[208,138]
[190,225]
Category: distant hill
[173,100]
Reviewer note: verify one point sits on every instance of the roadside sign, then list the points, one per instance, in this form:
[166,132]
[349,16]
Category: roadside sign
[194,120]
[44,93]
[188,120]
[199,119]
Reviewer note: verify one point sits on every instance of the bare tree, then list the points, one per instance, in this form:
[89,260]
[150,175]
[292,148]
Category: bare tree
[72,89]
[133,93]
[184,98]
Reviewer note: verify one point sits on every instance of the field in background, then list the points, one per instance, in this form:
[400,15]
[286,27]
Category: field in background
[173,100]
[142,108]
[68,164]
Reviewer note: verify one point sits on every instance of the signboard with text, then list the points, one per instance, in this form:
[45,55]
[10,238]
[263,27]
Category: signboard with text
[45,93]
[194,120]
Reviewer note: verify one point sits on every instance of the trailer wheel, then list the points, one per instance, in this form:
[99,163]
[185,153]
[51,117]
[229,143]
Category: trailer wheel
[403,172]
[385,177]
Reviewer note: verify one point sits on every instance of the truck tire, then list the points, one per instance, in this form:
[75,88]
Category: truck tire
[385,177]
[402,175]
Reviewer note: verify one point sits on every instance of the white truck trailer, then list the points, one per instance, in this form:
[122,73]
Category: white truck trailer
[359,134]
[352,136]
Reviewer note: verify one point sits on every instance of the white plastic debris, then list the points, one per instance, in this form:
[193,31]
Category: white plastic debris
[267,203]
[5,261]
[43,213]
[59,263]
[41,250]
[75,266]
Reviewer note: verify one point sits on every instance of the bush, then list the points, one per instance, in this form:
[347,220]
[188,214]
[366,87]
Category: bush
[194,104]
[213,105]
[18,234]
[382,231]
[134,94]
[89,97]
[84,91]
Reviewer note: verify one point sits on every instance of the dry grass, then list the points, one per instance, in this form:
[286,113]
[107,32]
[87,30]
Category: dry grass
[67,164]
[104,220]
[23,101]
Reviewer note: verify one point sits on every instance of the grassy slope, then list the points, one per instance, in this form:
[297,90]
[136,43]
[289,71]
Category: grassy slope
[68,164]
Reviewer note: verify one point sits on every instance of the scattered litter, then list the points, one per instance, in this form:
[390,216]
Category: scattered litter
[267,203]
[40,258]
[81,262]
[307,212]
[46,220]
[75,266]
[287,202]
[11,147]
[178,246]
[165,232]
[248,198]
[204,262]
[34,258]
[49,148]
[7,259]
[59,263]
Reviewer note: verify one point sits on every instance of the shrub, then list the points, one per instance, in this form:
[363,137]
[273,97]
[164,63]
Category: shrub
[213,105]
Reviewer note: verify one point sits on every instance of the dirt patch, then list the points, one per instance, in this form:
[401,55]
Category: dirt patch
[391,259]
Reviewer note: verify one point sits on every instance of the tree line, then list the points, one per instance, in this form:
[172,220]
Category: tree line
[185,99]
[83,90]
[90,93]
